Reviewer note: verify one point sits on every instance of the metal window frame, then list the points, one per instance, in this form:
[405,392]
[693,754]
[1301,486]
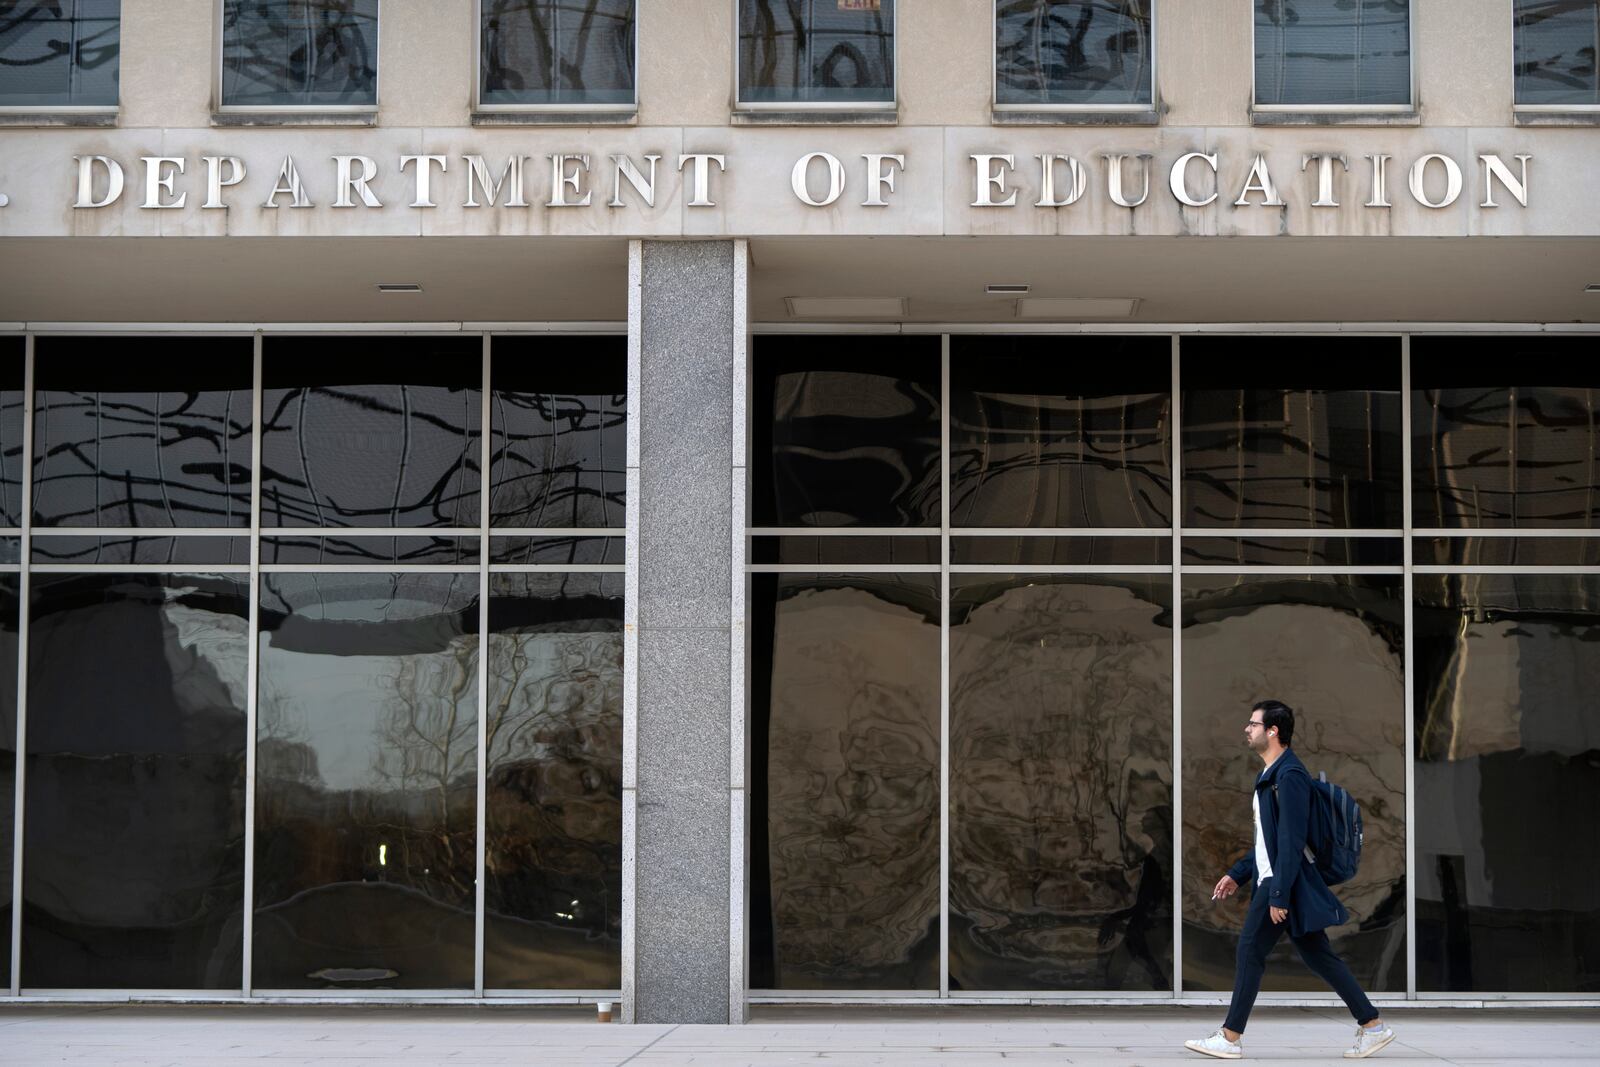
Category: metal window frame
[821,108]
[543,109]
[1341,109]
[291,110]
[1410,995]
[1074,109]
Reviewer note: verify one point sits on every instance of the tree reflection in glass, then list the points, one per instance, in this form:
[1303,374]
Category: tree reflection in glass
[1060,782]
[846,760]
[13,380]
[366,781]
[9,587]
[553,856]
[1331,647]
[1508,782]
[305,53]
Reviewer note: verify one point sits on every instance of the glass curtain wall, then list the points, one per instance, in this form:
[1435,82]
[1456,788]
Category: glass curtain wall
[968,572]
[266,748]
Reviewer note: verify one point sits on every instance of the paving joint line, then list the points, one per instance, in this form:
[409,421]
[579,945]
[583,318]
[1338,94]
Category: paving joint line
[647,1048]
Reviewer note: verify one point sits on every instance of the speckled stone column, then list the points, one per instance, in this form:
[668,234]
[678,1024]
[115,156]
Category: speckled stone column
[685,795]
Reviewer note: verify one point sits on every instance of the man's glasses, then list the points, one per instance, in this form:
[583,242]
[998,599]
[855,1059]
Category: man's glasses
[1253,722]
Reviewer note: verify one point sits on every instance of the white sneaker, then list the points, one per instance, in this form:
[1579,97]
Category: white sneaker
[1219,1046]
[1369,1042]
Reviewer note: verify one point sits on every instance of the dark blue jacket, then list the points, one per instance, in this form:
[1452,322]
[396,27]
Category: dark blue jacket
[1285,791]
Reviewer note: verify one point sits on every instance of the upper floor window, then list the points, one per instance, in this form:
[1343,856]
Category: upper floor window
[1557,48]
[811,52]
[555,52]
[1088,53]
[300,53]
[1352,54]
[59,53]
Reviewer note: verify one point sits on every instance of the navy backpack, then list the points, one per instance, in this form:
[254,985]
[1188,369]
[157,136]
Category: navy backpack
[1333,840]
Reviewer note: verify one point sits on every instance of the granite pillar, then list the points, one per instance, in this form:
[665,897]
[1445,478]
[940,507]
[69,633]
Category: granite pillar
[683,784]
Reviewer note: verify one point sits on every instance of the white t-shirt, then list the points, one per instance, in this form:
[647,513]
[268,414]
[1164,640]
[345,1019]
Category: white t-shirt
[1263,864]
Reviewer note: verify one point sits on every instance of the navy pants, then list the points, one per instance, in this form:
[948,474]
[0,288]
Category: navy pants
[1259,935]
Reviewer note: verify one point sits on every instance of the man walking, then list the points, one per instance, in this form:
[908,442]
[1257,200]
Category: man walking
[1288,893]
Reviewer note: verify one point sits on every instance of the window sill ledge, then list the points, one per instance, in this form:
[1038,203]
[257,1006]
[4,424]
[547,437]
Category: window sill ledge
[97,119]
[1557,118]
[235,119]
[1336,118]
[619,117]
[1077,118]
[842,117]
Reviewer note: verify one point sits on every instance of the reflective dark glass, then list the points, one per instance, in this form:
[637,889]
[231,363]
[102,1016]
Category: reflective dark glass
[1060,782]
[371,431]
[9,584]
[1291,432]
[1488,453]
[1065,432]
[1087,52]
[1061,551]
[1331,647]
[1339,53]
[1295,551]
[305,53]
[366,781]
[142,431]
[553,844]
[186,551]
[10,549]
[1556,45]
[559,419]
[845,431]
[442,551]
[844,714]
[556,52]
[839,551]
[836,52]
[133,859]
[1508,783]
[60,53]
[13,383]
[528,550]
[1507,551]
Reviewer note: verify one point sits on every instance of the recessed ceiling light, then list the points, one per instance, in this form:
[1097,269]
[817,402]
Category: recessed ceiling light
[399,287]
[1592,288]
[1008,289]
[846,307]
[1077,307]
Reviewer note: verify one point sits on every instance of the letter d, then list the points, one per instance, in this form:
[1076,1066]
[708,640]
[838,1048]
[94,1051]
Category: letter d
[86,181]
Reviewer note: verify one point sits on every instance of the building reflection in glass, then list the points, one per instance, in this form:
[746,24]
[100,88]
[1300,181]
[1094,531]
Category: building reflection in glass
[133,862]
[1054,432]
[845,431]
[371,431]
[13,382]
[553,856]
[1331,647]
[366,771]
[1060,782]
[152,432]
[1508,782]
[1308,440]
[9,587]
[845,755]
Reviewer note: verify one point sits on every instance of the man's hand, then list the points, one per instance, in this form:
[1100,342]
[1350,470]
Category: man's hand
[1280,915]
[1226,888]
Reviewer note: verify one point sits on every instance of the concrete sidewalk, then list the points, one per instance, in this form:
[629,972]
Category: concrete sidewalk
[187,1036]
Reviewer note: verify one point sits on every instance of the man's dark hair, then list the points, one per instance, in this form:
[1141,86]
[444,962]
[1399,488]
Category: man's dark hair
[1275,713]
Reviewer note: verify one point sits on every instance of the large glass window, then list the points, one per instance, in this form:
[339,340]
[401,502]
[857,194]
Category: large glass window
[1060,782]
[299,53]
[1508,779]
[556,52]
[133,861]
[142,433]
[9,626]
[1090,53]
[1333,53]
[366,781]
[371,431]
[1331,646]
[1557,45]
[831,52]
[60,53]
[13,381]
